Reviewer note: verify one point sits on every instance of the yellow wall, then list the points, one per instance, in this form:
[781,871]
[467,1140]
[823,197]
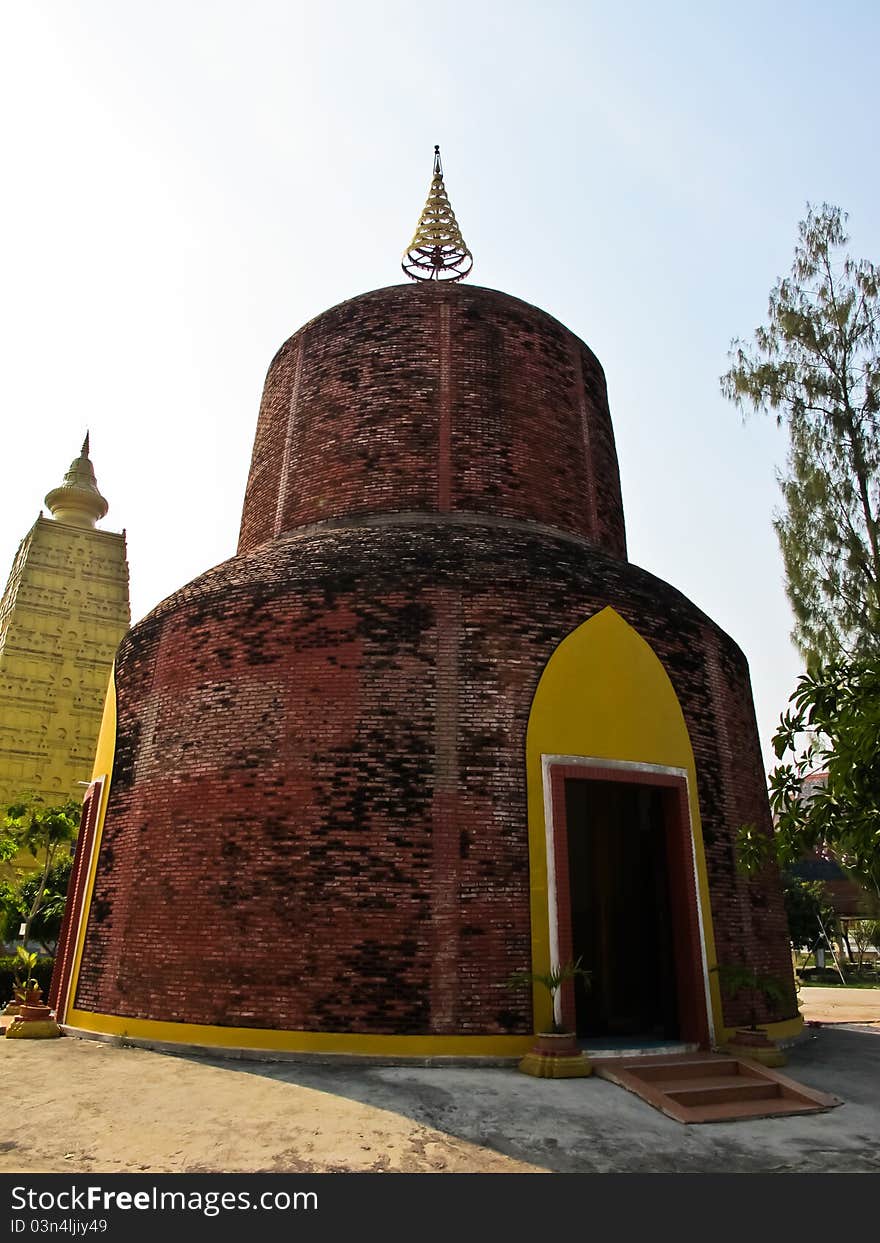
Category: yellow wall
[62,616]
[605,695]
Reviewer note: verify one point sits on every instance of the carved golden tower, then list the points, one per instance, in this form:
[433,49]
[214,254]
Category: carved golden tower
[63,612]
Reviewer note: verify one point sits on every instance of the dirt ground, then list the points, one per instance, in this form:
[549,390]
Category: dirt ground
[80,1105]
[74,1105]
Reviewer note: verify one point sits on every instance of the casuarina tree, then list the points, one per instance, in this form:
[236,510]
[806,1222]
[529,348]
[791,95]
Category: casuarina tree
[815,364]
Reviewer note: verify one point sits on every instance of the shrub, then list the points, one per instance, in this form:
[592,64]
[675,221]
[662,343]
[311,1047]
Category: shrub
[9,965]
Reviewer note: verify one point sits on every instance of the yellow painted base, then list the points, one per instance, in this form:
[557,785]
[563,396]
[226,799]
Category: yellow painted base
[266,1040]
[767,1055]
[32,1029]
[785,1032]
[556,1066]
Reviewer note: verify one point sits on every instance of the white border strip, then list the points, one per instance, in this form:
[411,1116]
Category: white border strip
[589,761]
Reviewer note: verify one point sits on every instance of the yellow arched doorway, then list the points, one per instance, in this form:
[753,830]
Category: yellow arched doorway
[618,873]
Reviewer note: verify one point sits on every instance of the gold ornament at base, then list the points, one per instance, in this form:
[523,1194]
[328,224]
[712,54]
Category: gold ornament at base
[556,1056]
[555,1066]
[756,1046]
[40,1026]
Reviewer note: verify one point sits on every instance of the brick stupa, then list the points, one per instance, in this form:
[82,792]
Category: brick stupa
[427,728]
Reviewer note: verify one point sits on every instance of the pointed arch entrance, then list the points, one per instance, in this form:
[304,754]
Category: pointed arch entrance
[618,873]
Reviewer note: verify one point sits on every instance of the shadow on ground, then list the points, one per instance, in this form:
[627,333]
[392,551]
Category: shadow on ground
[589,1125]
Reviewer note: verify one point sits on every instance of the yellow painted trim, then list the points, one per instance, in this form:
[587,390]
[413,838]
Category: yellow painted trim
[102,771]
[785,1029]
[605,695]
[251,1037]
[300,1042]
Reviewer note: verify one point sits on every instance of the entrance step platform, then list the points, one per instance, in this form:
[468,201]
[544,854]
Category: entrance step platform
[626,1046]
[712,1087]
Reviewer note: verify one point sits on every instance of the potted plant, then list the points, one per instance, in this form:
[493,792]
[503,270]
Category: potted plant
[555,1054]
[32,1018]
[27,991]
[752,1041]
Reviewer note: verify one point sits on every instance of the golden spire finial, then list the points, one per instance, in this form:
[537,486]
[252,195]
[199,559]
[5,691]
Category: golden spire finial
[437,252]
[77,501]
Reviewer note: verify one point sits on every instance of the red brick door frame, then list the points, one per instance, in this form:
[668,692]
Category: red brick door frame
[65,950]
[695,1021]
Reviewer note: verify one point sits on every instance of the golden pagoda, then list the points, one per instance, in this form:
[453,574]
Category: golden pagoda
[63,612]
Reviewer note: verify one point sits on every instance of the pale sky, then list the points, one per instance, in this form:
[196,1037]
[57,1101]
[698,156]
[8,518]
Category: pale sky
[189,181]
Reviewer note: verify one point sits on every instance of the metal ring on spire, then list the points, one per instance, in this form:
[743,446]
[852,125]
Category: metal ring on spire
[437,251]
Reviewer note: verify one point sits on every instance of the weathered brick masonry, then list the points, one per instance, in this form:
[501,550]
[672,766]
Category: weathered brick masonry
[435,398]
[317,817]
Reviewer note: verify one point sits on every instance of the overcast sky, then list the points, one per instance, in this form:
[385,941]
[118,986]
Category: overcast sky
[187,182]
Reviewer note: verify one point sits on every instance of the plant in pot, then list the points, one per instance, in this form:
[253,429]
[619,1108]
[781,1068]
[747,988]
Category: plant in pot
[27,992]
[555,1054]
[752,1041]
[32,1018]
[25,989]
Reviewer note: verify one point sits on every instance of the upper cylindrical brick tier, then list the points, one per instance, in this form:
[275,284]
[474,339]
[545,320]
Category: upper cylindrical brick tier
[444,399]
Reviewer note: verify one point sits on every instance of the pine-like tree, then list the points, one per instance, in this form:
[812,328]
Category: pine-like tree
[816,365]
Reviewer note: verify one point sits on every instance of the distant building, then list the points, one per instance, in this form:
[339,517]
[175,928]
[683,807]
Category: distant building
[849,899]
[63,613]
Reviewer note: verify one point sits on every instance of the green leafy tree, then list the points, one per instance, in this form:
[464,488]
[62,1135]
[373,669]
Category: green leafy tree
[816,365]
[46,833]
[18,899]
[832,727]
[866,935]
[806,902]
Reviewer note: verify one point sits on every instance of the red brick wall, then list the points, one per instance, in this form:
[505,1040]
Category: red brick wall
[435,399]
[318,811]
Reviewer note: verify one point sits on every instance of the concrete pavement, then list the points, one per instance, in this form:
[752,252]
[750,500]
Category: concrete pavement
[592,1126]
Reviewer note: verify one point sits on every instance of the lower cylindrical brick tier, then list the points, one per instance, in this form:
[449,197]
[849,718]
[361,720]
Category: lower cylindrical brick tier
[317,817]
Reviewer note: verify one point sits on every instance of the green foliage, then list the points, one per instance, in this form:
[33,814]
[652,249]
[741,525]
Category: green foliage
[816,365]
[33,825]
[10,970]
[25,961]
[832,726]
[866,935]
[46,832]
[18,898]
[735,978]
[806,902]
[552,980]
[26,989]
[754,849]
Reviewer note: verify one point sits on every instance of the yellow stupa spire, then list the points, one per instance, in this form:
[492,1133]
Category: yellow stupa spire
[77,502]
[437,251]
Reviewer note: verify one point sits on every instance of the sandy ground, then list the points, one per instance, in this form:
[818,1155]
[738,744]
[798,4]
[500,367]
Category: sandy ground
[840,1005]
[82,1105]
[75,1105]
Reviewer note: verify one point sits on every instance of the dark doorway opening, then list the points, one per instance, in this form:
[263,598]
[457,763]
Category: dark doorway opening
[621,915]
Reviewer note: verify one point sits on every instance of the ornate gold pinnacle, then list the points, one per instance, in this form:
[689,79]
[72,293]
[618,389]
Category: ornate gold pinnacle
[437,252]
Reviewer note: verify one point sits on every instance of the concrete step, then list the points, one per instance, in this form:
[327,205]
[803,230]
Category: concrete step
[739,1088]
[711,1087]
[687,1068]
